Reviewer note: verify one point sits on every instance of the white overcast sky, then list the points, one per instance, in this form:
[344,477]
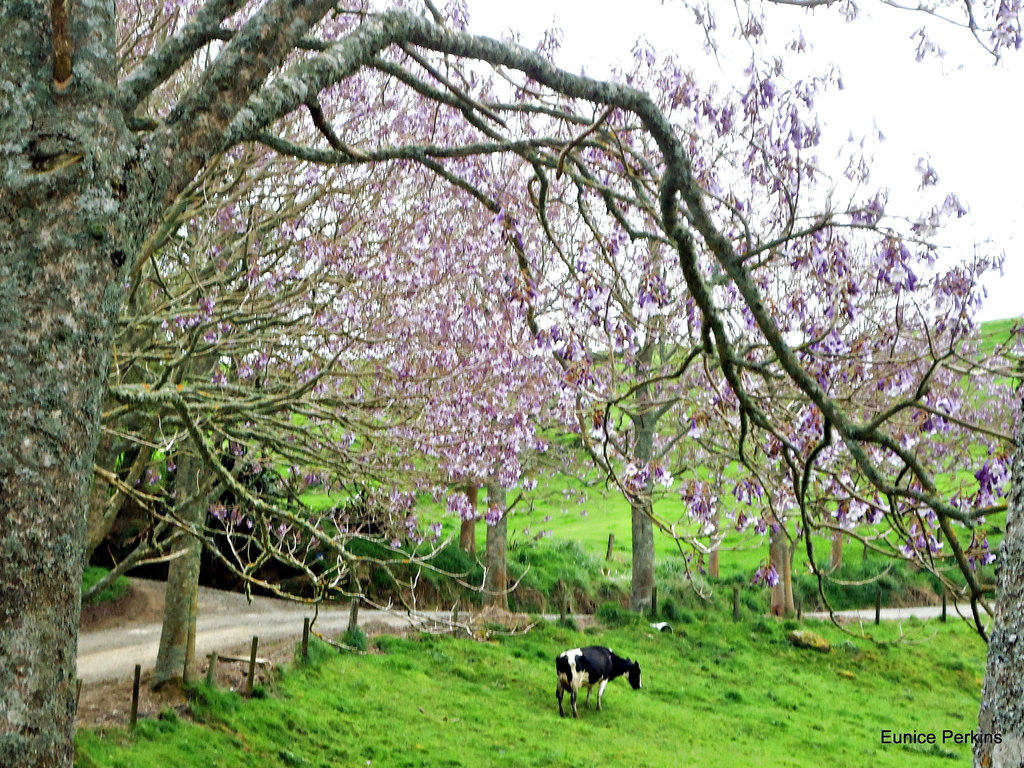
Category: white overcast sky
[963,113]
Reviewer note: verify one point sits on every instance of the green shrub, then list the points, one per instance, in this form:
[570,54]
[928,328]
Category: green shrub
[669,610]
[896,580]
[317,651]
[354,637]
[569,623]
[613,614]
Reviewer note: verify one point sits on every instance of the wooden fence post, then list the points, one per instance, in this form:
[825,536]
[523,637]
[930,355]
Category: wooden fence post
[735,603]
[943,606]
[353,615]
[654,600]
[211,670]
[611,543]
[878,607]
[252,667]
[305,639]
[135,696]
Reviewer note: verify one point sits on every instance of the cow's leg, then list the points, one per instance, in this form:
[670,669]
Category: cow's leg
[572,696]
[558,694]
[600,693]
[589,687]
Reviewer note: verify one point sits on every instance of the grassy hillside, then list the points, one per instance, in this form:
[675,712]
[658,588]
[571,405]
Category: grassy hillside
[573,548]
[717,693]
[997,332]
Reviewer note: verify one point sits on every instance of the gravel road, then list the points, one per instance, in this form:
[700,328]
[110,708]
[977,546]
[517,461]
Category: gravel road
[898,614]
[226,624]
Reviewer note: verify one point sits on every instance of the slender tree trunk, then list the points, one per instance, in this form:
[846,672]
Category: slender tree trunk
[67,232]
[713,567]
[778,550]
[496,580]
[105,506]
[176,662]
[835,560]
[1002,696]
[642,586]
[98,523]
[787,580]
[467,531]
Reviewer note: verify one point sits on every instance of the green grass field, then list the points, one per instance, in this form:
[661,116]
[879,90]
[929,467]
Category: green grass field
[997,332]
[715,693]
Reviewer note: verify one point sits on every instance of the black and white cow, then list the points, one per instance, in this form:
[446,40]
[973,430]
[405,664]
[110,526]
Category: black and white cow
[590,666]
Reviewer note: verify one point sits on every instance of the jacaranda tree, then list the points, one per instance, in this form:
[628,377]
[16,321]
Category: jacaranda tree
[101,137]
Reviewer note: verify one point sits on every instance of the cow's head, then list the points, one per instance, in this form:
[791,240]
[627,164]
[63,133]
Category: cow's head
[634,674]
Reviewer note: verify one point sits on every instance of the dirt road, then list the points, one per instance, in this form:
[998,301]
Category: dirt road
[899,614]
[110,647]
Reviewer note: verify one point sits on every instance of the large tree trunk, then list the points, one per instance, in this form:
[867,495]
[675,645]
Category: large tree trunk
[467,531]
[1002,697]
[176,662]
[67,234]
[641,592]
[496,579]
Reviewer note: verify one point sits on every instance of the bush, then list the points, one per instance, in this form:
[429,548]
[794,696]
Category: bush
[669,610]
[897,582]
[558,570]
[569,623]
[355,638]
[612,614]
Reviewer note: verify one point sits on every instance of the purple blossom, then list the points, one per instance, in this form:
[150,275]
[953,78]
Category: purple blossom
[458,503]
[494,514]
[993,477]
[765,574]
[206,306]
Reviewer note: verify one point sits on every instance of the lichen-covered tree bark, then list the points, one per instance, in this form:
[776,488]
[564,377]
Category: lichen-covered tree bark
[78,191]
[1002,697]
[68,218]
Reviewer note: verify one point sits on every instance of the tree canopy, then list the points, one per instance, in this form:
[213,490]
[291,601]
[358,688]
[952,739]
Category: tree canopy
[308,220]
